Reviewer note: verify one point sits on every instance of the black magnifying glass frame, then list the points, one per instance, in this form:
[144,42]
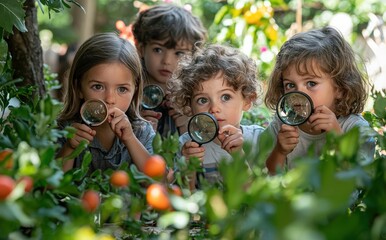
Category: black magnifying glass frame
[94,112]
[203,128]
[286,112]
[153,95]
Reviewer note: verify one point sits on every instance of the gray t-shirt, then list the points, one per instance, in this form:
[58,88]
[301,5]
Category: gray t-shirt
[214,153]
[118,154]
[366,151]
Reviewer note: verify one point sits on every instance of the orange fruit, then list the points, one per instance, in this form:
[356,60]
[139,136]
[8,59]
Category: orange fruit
[157,197]
[119,178]
[155,166]
[7,155]
[90,200]
[28,182]
[176,190]
[7,184]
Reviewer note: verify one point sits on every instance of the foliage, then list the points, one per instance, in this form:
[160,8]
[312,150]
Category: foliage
[250,26]
[314,200]
[333,196]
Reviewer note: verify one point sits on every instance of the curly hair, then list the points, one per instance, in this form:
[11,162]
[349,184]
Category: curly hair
[171,22]
[332,53]
[238,70]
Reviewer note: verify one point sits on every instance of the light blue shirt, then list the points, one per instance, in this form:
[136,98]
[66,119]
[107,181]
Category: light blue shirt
[214,154]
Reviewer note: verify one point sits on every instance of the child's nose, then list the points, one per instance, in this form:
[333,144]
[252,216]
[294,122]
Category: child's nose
[110,97]
[167,59]
[214,108]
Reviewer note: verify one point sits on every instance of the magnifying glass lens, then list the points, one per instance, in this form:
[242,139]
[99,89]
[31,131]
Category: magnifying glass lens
[94,112]
[203,128]
[153,96]
[294,108]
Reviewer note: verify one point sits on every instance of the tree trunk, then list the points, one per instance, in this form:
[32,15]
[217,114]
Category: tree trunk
[84,22]
[26,51]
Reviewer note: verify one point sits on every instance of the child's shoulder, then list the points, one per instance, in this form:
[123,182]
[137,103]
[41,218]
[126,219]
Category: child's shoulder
[352,120]
[140,125]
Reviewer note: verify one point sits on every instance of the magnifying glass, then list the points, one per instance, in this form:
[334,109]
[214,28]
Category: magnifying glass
[153,95]
[203,128]
[94,112]
[294,108]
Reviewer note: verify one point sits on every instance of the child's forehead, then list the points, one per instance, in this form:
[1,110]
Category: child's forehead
[310,67]
[180,44]
[218,79]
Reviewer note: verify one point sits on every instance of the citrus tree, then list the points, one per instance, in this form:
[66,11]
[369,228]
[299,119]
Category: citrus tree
[331,196]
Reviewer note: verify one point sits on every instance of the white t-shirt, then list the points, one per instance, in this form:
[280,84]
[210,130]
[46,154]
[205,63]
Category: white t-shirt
[366,151]
[214,153]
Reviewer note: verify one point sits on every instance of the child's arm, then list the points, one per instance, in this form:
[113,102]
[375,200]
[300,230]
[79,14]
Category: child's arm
[192,149]
[120,124]
[83,132]
[287,139]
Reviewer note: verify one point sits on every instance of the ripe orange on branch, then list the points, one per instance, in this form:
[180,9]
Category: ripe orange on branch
[157,197]
[7,184]
[90,200]
[155,166]
[119,178]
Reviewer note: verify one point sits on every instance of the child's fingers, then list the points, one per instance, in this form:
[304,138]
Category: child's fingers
[192,149]
[150,114]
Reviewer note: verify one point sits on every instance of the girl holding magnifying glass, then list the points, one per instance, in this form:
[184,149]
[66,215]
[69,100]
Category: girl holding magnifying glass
[321,64]
[219,80]
[108,68]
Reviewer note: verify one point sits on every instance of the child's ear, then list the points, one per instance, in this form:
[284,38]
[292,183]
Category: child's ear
[247,104]
[338,94]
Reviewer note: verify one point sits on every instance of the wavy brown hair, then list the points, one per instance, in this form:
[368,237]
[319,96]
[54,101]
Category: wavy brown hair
[334,56]
[238,70]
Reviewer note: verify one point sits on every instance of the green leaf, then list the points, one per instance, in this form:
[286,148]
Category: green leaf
[220,14]
[12,13]
[13,211]
[380,106]
[177,219]
[349,143]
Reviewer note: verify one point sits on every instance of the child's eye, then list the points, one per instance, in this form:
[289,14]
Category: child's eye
[202,101]
[311,84]
[122,89]
[226,97]
[289,86]
[157,50]
[97,87]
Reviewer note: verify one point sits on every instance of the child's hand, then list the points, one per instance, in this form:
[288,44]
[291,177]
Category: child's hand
[323,119]
[287,139]
[120,124]
[181,121]
[83,132]
[231,138]
[152,117]
[193,149]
